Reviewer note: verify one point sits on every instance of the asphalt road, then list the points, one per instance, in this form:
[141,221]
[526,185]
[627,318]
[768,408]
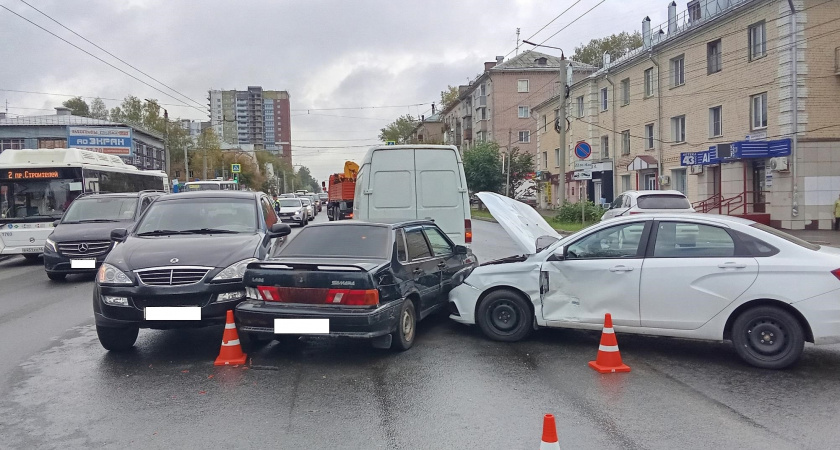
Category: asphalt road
[454,389]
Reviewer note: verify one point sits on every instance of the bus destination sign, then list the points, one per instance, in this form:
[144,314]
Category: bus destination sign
[33,174]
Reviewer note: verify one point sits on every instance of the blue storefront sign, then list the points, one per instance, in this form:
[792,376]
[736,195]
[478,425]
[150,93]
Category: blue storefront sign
[717,154]
[110,140]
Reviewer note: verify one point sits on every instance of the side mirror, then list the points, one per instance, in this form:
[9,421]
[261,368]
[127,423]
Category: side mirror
[55,224]
[119,234]
[460,250]
[607,205]
[279,230]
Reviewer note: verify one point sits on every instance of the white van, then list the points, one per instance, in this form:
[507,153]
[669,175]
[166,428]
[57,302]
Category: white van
[398,182]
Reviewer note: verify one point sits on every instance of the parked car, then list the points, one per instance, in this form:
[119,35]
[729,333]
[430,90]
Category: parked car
[310,209]
[530,200]
[637,202]
[766,291]
[316,201]
[292,210]
[353,279]
[82,237]
[181,265]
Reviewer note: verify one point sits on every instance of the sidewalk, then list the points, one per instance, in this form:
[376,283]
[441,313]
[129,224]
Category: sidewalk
[821,237]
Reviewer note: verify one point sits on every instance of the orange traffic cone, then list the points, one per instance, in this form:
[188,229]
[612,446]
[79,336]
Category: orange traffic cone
[609,359]
[231,351]
[549,436]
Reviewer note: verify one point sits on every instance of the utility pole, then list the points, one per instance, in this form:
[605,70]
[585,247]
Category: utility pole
[165,139]
[517,42]
[510,144]
[562,130]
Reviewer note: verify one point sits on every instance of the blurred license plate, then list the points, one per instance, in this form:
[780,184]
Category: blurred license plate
[82,263]
[172,313]
[301,326]
[33,249]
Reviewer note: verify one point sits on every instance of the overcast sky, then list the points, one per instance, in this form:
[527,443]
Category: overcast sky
[326,53]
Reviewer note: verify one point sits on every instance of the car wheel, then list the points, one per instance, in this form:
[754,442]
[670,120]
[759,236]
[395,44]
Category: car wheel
[117,339]
[302,222]
[31,257]
[56,276]
[504,316]
[403,338]
[768,337]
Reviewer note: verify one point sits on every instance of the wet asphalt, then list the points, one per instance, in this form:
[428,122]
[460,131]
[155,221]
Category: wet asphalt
[453,389]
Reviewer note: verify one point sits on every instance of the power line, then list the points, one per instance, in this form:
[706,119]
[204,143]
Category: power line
[100,59]
[572,22]
[546,25]
[359,107]
[179,105]
[111,54]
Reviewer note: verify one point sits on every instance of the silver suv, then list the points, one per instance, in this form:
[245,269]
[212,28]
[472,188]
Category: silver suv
[638,202]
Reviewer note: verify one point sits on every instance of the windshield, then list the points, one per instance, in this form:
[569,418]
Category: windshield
[101,209]
[288,203]
[178,215]
[663,201]
[348,241]
[41,198]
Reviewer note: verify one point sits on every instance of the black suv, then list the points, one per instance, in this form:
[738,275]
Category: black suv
[181,265]
[82,237]
[354,279]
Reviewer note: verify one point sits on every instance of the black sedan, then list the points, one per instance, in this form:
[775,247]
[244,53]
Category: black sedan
[353,279]
[182,264]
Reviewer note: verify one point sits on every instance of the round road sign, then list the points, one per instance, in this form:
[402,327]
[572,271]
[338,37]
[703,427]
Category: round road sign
[583,150]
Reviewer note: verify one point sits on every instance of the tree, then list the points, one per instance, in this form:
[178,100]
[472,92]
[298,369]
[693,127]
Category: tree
[209,148]
[130,112]
[304,180]
[98,110]
[448,97]
[78,107]
[615,45]
[521,165]
[399,130]
[483,168]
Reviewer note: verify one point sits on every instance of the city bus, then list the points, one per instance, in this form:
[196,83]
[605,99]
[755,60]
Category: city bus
[38,185]
[211,185]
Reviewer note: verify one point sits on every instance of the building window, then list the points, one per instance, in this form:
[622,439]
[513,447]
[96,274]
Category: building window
[556,157]
[524,112]
[678,71]
[625,183]
[678,180]
[605,146]
[522,86]
[625,142]
[580,106]
[625,91]
[12,144]
[604,99]
[525,137]
[177,174]
[716,121]
[714,61]
[649,136]
[758,111]
[649,82]
[545,160]
[678,129]
[52,143]
[757,41]
[694,11]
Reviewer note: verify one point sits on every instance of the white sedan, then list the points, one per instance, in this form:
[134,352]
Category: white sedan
[696,276]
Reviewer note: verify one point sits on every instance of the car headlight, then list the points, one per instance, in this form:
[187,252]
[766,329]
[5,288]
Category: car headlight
[50,244]
[234,271]
[109,274]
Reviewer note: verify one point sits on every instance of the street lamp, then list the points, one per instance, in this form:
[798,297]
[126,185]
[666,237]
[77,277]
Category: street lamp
[165,137]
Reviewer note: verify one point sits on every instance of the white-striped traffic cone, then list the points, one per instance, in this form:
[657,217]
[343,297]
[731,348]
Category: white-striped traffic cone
[231,352]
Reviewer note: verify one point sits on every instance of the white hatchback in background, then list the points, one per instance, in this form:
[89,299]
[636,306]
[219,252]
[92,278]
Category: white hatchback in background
[638,202]
[697,276]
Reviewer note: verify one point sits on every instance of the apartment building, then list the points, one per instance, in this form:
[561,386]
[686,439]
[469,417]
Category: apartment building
[253,117]
[429,130]
[708,106]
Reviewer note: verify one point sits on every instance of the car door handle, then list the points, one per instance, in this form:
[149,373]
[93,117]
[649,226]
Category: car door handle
[621,269]
[732,265]
[442,265]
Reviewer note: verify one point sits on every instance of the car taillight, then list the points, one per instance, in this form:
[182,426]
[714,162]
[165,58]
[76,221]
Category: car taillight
[353,297]
[269,293]
[468,231]
[836,273]
[635,212]
[350,216]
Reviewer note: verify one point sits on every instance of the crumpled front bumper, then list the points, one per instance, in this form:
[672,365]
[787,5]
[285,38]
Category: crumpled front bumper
[464,298]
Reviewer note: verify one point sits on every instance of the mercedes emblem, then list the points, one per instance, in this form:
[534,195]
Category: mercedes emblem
[83,248]
[32,240]
[174,260]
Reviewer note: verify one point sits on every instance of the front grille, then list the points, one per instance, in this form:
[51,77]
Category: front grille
[172,276]
[201,300]
[84,249]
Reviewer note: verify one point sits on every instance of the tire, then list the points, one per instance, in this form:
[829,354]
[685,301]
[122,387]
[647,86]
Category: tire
[56,276]
[117,339]
[303,222]
[768,337]
[31,257]
[403,338]
[504,316]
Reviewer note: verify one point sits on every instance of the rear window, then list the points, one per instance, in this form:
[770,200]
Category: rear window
[348,241]
[289,203]
[663,201]
[790,238]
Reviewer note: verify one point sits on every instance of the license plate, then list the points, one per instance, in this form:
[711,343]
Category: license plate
[82,263]
[172,313]
[33,250]
[301,326]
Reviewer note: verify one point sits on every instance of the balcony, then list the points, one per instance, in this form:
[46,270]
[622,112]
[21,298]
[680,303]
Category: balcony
[481,101]
[468,134]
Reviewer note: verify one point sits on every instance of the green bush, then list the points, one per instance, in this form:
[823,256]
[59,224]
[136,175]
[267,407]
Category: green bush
[570,212]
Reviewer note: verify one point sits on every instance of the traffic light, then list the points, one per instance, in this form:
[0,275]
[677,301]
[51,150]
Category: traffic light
[236,177]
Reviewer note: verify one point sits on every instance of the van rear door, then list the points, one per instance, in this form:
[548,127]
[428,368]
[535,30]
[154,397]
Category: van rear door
[440,195]
[392,185]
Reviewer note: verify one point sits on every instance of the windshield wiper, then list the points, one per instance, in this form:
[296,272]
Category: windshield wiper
[210,231]
[159,233]
[95,221]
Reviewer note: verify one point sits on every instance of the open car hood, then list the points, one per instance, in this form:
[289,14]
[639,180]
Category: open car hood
[521,222]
